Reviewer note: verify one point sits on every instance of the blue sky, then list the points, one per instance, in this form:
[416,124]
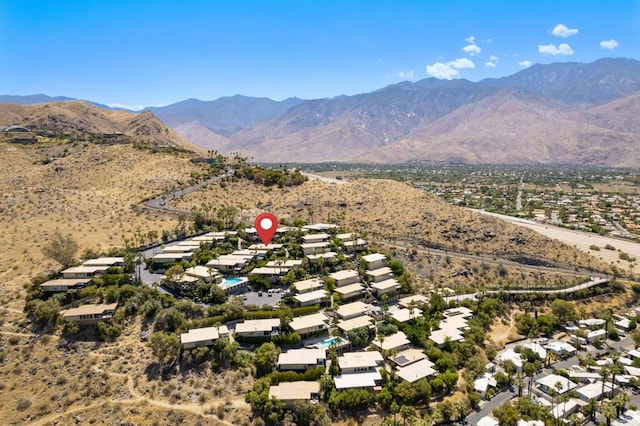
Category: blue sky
[143,53]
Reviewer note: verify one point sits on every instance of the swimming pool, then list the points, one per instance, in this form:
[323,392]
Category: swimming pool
[331,341]
[233,282]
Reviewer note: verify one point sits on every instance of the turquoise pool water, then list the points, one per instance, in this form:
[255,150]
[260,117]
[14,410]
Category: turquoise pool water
[230,282]
[331,341]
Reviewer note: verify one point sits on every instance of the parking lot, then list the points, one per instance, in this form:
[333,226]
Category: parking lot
[254,298]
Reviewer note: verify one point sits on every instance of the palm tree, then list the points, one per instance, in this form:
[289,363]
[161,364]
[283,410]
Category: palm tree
[609,411]
[620,401]
[604,373]
[615,368]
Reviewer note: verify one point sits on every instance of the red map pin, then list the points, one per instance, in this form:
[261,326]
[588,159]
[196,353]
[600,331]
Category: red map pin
[266,224]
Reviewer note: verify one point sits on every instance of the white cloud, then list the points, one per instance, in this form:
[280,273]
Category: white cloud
[462,63]
[442,71]
[609,44]
[525,64]
[450,69]
[492,62]
[129,107]
[470,39]
[561,30]
[550,49]
[472,49]
[406,74]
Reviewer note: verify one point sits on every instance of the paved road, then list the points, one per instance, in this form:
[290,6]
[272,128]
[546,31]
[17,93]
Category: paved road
[488,259]
[160,202]
[488,406]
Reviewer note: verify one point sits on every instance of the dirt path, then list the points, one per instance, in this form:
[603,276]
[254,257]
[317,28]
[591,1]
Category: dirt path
[500,335]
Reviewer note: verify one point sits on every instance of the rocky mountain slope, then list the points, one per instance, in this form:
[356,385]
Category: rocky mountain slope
[81,120]
[557,113]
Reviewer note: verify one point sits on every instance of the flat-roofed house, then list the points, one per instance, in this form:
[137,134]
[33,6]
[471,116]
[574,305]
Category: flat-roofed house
[375,260]
[320,227]
[380,274]
[59,285]
[315,248]
[314,258]
[388,287]
[85,271]
[178,249]
[416,299]
[359,362]
[348,236]
[352,310]
[406,315]
[594,390]
[355,245]
[229,263]
[395,342]
[90,314]
[316,238]
[354,323]
[309,324]
[550,382]
[345,277]
[368,380]
[312,298]
[270,274]
[161,258]
[204,336]
[284,263]
[105,261]
[408,356]
[351,291]
[203,273]
[308,285]
[302,359]
[416,371]
[258,328]
[290,392]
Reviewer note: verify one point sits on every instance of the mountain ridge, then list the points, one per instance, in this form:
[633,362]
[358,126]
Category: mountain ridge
[593,109]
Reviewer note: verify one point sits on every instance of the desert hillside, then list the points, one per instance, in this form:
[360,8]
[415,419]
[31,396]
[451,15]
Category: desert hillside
[83,121]
[390,211]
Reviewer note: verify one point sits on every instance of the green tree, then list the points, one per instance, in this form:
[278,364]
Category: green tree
[266,358]
[608,411]
[44,313]
[507,415]
[165,346]
[61,249]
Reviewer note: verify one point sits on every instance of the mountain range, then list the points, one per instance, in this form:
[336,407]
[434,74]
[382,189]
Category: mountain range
[556,113]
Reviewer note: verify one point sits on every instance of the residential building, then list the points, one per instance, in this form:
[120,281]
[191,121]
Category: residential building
[418,370]
[302,359]
[408,356]
[359,362]
[395,342]
[368,380]
[345,277]
[350,292]
[60,285]
[312,298]
[105,261]
[416,299]
[375,260]
[308,285]
[559,384]
[594,390]
[315,248]
[258,328]
[310,324]
[380,274]
[354,323]
[290,392]
[389,287]
[352,310]
[203,273]
[316,238]
[90,314]
[204,336]
[84,271]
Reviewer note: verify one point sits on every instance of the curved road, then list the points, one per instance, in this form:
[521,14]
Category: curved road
[160,202]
